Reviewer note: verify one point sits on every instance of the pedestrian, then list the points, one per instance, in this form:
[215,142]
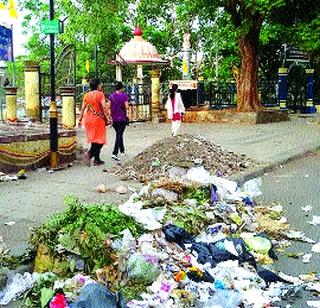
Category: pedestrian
[175,109]
[119,108]
[96,112]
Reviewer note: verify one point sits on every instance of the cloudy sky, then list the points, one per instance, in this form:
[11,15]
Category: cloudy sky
[19,39]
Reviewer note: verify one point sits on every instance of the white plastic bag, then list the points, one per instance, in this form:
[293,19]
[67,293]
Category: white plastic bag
[20,284]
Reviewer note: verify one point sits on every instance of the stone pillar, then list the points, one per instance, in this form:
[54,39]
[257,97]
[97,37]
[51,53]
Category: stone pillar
[282,85]
[187,53]
[310,108]
[68,107]
[155,97]
[140,82]
[11,104]
[200,90]
[32,86]
[118,73]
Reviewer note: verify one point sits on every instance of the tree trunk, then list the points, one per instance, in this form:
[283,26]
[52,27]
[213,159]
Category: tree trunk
[247,80]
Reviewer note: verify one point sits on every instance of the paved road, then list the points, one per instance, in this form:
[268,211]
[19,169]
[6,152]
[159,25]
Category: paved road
[296,185]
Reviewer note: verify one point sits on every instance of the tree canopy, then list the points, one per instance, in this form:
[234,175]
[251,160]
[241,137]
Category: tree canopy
[246,35]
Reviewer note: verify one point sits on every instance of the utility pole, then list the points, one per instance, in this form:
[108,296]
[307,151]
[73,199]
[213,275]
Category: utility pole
[53,112]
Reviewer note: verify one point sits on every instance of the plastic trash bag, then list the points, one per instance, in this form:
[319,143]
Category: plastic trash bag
[253,187]
[98,296]
[149,218]
[198,175]
[143,268]
[223,299]
[257,243]
[225,188]
[20,284]
[166,194]
[177,235]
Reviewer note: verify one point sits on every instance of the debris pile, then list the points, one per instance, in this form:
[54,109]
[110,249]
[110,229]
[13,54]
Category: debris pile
[195,240]
[184,152]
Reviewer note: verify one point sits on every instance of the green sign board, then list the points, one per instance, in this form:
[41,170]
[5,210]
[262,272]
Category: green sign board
[48,26]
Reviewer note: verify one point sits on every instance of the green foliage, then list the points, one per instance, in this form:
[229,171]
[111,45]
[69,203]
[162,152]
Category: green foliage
[83,230]
[215,26]
[41,293]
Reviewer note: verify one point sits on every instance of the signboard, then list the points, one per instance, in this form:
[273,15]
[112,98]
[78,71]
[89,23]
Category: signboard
[184,84]
[48,26]
[6,47]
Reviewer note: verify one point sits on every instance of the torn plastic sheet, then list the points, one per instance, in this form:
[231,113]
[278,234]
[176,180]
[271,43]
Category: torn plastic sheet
[306,208]
[149,218]
[316,248]
[315,220]
[299,236]
[253,187]
[314,287]
[315,304]
[198,175]
[306,257]
[20,284]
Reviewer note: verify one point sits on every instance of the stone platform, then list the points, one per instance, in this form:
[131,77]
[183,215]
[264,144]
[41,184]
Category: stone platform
[27,146]
[231,116]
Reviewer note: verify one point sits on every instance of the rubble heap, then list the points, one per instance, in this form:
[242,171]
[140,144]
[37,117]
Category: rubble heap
[184,151]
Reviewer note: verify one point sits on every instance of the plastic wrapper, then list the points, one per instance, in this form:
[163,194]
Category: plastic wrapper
[149,218]
[198,175]
[143,268]
[223,299]
[20,284]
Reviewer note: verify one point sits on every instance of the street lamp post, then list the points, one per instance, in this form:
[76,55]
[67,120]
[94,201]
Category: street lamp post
[53,112]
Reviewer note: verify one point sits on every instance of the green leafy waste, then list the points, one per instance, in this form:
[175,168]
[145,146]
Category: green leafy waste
[83,230]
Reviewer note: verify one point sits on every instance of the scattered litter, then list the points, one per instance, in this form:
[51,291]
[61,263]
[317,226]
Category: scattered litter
[121,190]
[306,258]
[315,220]
[299,236]
[191,240]
[307,208]
[17,287]
[10,223]
[315,304]
[316,248]
[102,188]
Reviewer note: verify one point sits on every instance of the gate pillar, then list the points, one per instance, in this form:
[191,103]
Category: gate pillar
[282,85]
[32,85]
[11,104]
[155,96]
[68,107]
[310,108]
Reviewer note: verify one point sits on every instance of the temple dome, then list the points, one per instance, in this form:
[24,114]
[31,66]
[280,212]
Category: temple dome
[139,51]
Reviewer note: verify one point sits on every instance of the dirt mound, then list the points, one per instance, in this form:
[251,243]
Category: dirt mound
[184,151]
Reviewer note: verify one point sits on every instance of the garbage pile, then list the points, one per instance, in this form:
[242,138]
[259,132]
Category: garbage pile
[184,151]
[194,240]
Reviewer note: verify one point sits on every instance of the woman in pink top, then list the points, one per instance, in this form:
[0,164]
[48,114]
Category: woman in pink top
[175,109]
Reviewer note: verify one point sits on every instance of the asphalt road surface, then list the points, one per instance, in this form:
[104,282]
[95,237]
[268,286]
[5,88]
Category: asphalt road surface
[297,185]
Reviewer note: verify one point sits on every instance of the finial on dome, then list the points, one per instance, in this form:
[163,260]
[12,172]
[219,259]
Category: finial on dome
[137,31]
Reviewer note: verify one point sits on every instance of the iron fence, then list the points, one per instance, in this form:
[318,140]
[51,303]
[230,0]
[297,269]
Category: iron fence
[139,104]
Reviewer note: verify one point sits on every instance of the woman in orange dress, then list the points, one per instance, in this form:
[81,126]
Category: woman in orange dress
[96,112]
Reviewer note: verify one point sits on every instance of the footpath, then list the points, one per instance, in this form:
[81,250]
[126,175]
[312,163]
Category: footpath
[26,204]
